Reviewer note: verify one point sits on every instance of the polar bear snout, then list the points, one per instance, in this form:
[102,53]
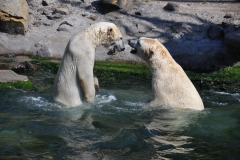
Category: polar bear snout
[133,44]
[120,45]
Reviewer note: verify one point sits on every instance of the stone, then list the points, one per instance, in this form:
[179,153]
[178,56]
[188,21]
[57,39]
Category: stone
[64,26]
[232,41]
[93,17]
[90,8]
[63,11]
[143,27]
[180,28]
[10,55]
[138,13]
[171,6]
[136,28]
[29,65]
[46,12]
[229,29]
[14,16]
[236,22]
[67,23]
[55,16]
[215,32]
[42,52]
[11,76]
[33,5]
[47,22]
[229,15]
[85,14]
[126,4]
[47,2]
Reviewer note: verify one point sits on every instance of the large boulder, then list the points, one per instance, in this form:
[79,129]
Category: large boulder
[10,76]
[14,16]
[232,41]
[215,32]
[123,4]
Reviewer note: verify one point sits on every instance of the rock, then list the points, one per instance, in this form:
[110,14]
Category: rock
[46,12]
[93,17]
[131,30]
[67,23]
[4,66]
[64,26]
[47,22]
[138,13]
[63,11]
[171,7]
[229,15]
[33,5]
[55,16]
[126,4]
[14,16]
[47,2]
[215,32]
[10,76]
[229,29]
[42,52]
[10,55]
[90,8]
[85,14]
[29,65]
[37,24]
[180,28]
[236,22]
[135,28]
[143,27]
[232,41]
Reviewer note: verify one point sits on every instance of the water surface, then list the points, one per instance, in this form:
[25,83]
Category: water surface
[33,126]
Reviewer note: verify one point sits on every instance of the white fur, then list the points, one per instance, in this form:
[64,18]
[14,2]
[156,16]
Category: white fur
[74,81]
[170,84]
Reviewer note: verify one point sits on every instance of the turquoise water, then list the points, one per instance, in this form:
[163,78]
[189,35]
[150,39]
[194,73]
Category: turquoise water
[32,126]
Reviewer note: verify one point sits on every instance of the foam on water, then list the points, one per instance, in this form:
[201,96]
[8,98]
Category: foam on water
[46,102]
[134,104]
[39,102]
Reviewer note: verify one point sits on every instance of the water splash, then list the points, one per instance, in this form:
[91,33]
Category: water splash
[39,102]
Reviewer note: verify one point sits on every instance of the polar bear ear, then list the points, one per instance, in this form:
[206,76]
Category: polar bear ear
[109,31]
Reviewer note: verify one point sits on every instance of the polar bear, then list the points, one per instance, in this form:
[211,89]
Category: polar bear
[75,80]
[171,86]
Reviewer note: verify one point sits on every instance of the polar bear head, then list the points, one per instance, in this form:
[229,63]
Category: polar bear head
[115,39]
[110,37]
[144,47]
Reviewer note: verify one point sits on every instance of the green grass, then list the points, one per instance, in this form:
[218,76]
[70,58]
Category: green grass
[122,67]
[25,85]
[227,79]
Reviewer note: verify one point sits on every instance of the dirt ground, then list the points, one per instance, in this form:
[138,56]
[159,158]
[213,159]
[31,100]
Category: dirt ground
[184,32]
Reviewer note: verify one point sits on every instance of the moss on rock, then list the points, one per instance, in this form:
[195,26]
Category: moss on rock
[226,79]
[26,85]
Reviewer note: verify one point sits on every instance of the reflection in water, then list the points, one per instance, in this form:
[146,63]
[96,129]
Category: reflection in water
[33,126]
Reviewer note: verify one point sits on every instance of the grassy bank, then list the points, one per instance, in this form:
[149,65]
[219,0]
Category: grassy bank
[227,79]
[25,85]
